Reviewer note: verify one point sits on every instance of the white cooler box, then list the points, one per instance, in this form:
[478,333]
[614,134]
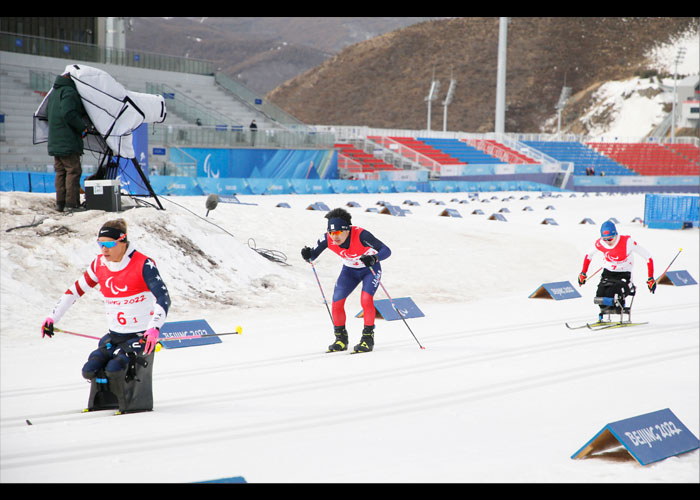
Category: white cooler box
[103,195]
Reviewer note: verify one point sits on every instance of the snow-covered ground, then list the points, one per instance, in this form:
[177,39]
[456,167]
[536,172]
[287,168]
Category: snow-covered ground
[503,391]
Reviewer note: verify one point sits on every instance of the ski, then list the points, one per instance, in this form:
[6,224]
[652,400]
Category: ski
[346,351]
[614,325]
[60,416]
[586,325]
[104,411]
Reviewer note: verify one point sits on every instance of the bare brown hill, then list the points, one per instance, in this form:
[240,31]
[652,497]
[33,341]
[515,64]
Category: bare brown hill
[260,52]
[383,82]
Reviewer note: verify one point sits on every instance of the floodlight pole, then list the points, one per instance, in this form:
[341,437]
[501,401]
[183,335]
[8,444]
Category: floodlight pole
[679,58]
[501,76]
[447,102]
[432,95]
[563,99]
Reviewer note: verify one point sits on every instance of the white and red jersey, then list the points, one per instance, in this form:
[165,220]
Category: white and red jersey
[135,296]
[356,248]
[618,255]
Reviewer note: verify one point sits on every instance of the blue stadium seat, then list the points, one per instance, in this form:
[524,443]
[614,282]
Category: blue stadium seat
[461,151]
[581,156]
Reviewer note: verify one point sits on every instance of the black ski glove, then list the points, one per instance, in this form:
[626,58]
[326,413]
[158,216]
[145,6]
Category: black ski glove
[369,260]
[306,254]
[47,328]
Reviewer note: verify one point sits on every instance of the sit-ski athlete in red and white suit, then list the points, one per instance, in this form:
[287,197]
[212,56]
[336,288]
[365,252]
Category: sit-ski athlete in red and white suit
[618,261]
[135,297]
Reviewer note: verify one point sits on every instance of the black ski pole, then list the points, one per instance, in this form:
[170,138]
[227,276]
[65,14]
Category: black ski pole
[322,294]
[396,308]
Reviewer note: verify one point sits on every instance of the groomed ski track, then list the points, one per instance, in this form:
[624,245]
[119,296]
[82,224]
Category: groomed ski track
[228,399]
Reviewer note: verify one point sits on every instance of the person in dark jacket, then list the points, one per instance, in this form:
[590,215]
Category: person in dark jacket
[67,128]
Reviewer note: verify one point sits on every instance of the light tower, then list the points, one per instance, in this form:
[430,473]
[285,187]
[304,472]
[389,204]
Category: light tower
[563,99]
[501,76]
[448,101]
[679,59]
[432,95]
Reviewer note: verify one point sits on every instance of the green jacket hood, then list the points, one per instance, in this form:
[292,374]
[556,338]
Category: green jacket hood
[63,81]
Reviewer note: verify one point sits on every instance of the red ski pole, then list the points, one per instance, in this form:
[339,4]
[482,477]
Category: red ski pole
[74,333]
[667,267]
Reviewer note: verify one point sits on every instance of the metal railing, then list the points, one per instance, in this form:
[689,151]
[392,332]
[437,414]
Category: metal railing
[66,49]
[249,98]
[187,108]
[228,136]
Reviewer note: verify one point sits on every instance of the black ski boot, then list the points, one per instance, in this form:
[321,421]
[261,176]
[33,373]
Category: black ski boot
[367,341]
[341,340]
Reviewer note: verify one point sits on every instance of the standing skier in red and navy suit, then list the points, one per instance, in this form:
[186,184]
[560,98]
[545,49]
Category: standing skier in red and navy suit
[135,297]
[360,251]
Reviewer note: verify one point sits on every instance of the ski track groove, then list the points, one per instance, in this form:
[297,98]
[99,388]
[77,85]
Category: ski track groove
[141,444]
[293,358]
[250,430]
[585,338]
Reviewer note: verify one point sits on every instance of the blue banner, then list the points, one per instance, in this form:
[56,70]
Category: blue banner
[175,185]
[265,163]
[130,179]
[347,186]
[270,186]
[311,186]
[224,186]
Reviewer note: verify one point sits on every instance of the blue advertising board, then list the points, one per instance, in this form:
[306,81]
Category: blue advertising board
[393,210]
[648,438]
[194,328]
[450,212]
[559,290]
[175,185]
[677,278]
[385,310]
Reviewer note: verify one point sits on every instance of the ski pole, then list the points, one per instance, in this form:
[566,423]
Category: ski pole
[589,277]
[239,331]
[667,267]
[395,308]
[55,329]
[158,345]
[322,294]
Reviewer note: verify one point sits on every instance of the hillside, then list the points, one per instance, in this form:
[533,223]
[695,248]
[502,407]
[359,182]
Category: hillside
[382,82]
[260,52]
